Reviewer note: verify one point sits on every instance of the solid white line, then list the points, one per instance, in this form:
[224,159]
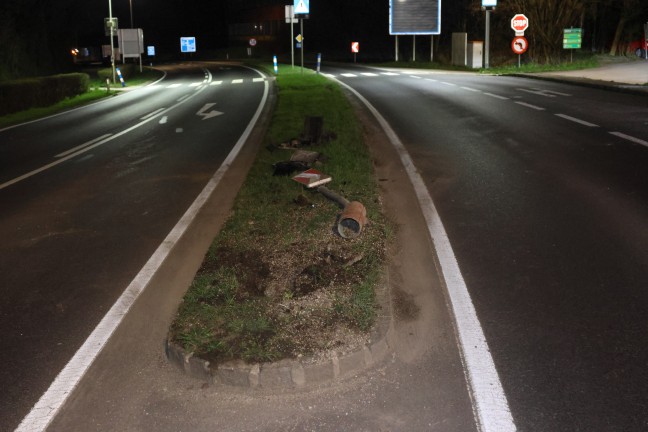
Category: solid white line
[151,114]
[51,402]
[535,107]
[489,401]
[576,120]
[89,143]
[496,96]
[630,138]
[183,98]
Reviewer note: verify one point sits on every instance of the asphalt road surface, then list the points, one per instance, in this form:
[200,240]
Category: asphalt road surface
[86,197]
[543,190]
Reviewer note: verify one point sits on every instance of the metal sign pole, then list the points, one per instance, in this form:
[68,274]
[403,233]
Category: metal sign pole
[431,48]
[414,48]
[396,47]
[112,44]
[487,41]
[301,26]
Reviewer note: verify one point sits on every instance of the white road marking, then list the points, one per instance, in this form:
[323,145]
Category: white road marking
[237,81]
[51,402]
[390,73]
[349,75]
[179,130]
[151,114]
[174,85]
[576,120]
[496,96]
[535,107]
[183,98]
[557,93]
[258,79]
[538,92]
[329,75]
[369,74]
[196,84]
[431,79]
[490,405]
[215,83]
[470,89]
[448,83]
[77,148]
[630,138]
[163,120]
[416,77]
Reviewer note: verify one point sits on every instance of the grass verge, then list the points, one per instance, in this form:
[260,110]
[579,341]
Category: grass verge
[277,281]
[36,113]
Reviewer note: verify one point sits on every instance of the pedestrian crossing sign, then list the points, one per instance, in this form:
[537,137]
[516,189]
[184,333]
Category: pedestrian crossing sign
[302,7]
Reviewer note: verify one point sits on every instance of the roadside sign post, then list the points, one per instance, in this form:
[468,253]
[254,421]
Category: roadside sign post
[302,9]
[290,19]
[572,39]
[519,24]
[488,6]
[355,49]
[646,41]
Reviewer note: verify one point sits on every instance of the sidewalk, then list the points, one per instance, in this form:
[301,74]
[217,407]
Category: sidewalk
[631,76]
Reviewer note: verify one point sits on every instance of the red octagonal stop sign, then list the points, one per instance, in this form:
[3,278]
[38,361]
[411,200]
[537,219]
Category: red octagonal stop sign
[519,23]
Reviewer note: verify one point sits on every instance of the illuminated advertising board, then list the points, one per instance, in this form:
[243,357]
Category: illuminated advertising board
[414,17]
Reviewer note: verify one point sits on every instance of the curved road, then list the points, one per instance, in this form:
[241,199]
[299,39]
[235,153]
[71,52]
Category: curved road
[543,191]
[87,196]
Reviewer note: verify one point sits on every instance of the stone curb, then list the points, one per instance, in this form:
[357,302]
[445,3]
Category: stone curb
[291,373]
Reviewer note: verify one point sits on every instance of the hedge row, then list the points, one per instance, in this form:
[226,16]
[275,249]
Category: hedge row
[28,93]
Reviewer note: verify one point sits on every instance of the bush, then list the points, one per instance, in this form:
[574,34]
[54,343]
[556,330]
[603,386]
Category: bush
[28,93]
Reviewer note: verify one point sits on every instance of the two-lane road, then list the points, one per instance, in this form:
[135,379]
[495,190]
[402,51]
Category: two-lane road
[86,197]
[543,191]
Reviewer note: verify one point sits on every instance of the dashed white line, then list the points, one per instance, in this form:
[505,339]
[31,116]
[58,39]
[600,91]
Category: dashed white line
[537,92]
[535,107]
[258,79]
[390,74]
[630,138]
[196,84]
[215,83]
[237,81]
[89,143]
[431,80]
[470,89]
[369,74]
[577,120]
[174,85]
[448,83]
[152,114]
[416,77]
[497,96]
[349,75]
[182,98]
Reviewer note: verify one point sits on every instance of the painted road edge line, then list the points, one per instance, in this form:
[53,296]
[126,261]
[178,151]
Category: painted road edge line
[48,406]
[490,405]
[630,138]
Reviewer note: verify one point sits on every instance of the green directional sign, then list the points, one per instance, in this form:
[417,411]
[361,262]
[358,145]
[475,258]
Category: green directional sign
[572,38]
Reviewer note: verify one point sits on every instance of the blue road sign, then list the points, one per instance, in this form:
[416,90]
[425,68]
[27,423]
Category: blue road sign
[188,44]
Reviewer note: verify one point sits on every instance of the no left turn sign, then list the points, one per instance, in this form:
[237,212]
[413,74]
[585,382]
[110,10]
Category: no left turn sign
[519,45]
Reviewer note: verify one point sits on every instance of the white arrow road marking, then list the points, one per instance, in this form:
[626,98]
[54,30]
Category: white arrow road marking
[205,115]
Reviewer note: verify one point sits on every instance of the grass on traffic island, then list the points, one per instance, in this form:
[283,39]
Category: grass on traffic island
[278,281]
